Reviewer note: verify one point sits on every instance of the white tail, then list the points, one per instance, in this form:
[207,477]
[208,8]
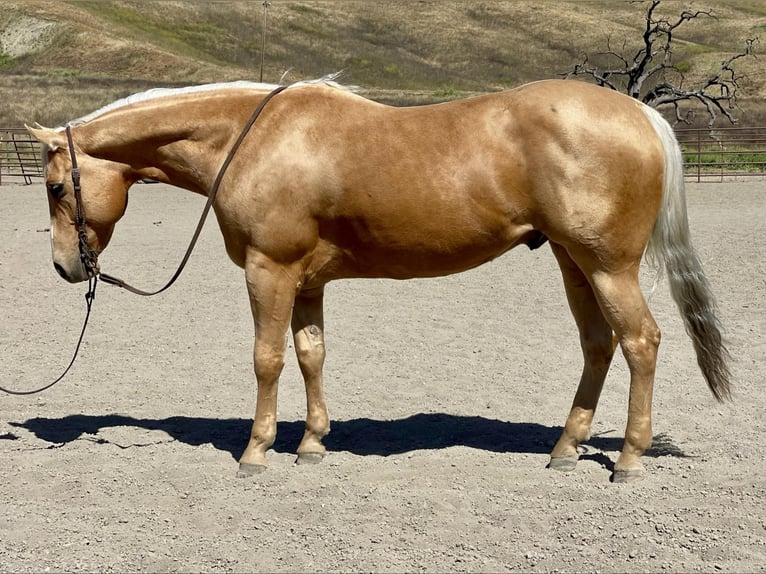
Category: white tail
[670,248]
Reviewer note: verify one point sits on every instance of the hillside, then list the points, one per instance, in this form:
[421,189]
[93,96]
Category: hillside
[62,59]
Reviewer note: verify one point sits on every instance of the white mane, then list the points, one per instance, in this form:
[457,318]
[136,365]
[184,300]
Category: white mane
[155,93]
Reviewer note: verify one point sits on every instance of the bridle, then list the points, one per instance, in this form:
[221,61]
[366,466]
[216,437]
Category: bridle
[89,257]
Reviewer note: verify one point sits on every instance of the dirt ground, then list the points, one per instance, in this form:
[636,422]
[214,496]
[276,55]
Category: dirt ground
[446,396]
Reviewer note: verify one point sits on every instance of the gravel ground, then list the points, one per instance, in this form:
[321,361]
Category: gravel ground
[445,395]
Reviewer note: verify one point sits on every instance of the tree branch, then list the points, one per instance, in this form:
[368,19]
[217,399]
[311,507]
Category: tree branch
[651,76]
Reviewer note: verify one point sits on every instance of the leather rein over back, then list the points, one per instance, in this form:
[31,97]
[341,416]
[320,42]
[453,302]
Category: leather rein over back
[89,257]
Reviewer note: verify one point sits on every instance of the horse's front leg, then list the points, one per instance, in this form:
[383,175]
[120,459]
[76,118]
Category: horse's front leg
[272,288]
[308,334]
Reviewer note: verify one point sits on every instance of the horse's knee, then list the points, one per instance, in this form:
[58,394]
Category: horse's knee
[268,364]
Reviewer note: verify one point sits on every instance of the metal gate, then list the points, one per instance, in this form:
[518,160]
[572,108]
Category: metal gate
[19,156]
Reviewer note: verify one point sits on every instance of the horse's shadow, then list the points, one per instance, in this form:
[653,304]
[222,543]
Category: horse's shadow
[359,436]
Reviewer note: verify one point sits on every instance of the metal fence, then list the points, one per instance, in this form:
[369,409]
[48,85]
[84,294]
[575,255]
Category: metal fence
[20,159]
[709,155]
[715,154]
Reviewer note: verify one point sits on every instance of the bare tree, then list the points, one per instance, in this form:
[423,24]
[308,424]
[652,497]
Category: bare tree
[651,76]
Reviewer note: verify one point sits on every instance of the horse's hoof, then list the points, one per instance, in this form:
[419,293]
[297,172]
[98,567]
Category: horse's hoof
[627,475]
[563,463]
[247,470]
[309,458]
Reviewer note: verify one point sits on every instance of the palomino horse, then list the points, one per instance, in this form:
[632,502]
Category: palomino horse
[329,185]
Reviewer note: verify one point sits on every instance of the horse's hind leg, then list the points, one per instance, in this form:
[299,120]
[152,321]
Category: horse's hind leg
[623,305]
[308,333]
[598,344]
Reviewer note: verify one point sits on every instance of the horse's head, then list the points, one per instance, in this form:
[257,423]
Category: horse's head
[104,197]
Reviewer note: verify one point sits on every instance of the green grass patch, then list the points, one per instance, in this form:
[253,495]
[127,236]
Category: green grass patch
[391,69]
[448,92]
[303,9]
[310,29]
[730,159]
[65,72]
[485,15]
[203,39]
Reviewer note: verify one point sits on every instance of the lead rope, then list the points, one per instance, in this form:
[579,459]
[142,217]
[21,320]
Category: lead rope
[89,296]
[89,257]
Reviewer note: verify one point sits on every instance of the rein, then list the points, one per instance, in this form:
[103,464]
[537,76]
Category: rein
[210,198]
[89,257]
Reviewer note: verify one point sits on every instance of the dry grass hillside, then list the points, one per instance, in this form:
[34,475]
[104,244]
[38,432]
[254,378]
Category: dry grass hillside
[61,59]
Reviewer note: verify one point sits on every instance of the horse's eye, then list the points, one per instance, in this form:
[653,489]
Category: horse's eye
[56,189]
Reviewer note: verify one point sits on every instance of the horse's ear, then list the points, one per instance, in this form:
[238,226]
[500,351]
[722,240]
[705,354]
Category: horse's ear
[51,138]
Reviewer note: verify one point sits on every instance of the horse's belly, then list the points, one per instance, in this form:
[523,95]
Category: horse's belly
[405,253]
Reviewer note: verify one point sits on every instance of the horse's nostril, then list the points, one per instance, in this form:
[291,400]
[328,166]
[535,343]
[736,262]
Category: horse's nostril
[60,270]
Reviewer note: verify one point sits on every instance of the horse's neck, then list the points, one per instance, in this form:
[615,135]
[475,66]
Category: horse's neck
[170,146]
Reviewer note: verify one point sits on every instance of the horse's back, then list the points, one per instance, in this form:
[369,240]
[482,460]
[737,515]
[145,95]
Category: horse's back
[544,137]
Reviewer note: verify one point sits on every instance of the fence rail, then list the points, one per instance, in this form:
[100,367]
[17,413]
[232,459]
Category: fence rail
[709,155]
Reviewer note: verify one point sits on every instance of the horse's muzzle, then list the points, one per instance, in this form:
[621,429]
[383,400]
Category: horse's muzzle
[76,275]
